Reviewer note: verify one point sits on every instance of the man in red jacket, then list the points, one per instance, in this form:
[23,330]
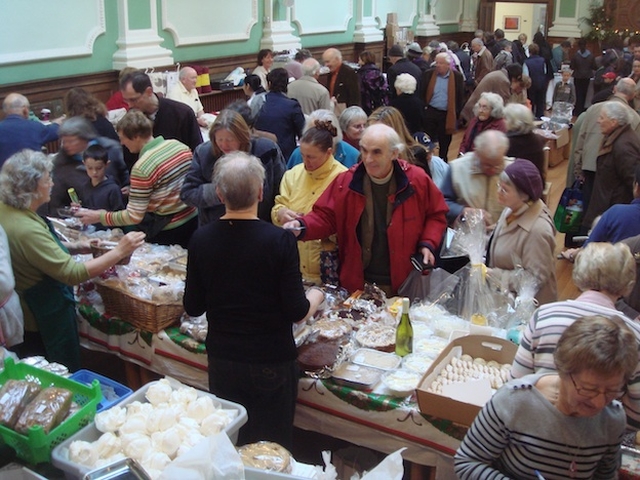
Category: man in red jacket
[383,210]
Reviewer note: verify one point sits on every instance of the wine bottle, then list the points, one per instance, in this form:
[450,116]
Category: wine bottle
[404,333]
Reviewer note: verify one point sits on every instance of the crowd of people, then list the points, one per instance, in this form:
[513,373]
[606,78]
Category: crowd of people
[345,183]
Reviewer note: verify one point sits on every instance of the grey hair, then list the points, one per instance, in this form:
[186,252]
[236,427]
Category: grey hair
[350,115]
[618,112]
[477,41]
[310,67]
[519,119]
[325,116]
[492,144]
[392,137]
[406,83]
[14,102]
[495,101]
[183,72]
[238,178]
[607,267]
[20,175]
[77,127]
[626,86]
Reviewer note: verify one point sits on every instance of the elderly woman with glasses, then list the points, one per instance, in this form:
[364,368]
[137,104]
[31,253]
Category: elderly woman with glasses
[562,424]
[488,115]
[524,235]
[43,267]
[603,272]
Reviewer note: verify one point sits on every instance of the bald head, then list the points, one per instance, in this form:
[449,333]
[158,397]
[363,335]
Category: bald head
[188,77]
[16,104]
[332,58]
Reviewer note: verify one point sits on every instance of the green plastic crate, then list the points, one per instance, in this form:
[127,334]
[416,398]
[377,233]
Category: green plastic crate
[36,446]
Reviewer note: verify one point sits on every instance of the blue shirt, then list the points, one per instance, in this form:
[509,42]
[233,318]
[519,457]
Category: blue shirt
[345,154]
[18,133]
[617,223]
[440,96]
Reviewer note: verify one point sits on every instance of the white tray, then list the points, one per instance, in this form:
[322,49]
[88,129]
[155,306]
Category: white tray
[60,454]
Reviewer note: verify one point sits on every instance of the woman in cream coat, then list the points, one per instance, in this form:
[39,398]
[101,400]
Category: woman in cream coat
[524,235]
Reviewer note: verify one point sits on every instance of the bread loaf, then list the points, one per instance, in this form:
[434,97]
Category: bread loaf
[14,396]
[48,409]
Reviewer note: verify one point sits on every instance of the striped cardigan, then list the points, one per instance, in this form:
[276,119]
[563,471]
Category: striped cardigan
[519,431]
[156,180]
[539,339]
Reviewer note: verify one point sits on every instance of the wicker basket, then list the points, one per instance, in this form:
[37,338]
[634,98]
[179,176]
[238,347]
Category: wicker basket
[143,314]
[100,249]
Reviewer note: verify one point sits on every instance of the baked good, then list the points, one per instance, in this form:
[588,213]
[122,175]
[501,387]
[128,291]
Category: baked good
[331,329]
[48,409]
[318,355]
[14,396]
[266,456]
[380,337]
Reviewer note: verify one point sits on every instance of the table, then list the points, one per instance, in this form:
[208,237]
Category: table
[373,420]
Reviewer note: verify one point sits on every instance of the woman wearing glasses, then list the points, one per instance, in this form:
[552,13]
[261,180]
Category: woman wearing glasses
[603,272]
[524,235]
[557,425]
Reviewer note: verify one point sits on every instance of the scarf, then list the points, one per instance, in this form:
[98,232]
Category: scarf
[366,221]
[451,119]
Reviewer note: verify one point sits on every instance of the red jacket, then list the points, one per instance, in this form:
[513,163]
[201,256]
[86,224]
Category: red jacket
[418,220]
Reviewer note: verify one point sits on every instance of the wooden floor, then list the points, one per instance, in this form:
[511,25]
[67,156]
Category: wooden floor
[557,177]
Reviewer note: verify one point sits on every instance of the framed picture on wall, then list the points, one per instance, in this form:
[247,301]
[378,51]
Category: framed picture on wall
[512,22]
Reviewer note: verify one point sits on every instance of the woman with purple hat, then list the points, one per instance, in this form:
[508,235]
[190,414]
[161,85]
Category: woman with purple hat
[524,235]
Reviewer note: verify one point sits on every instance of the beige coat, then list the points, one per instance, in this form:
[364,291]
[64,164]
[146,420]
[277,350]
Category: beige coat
[529,240]
[472,188]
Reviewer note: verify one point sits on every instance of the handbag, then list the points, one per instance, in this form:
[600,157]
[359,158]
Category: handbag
[568,216]
[329,263]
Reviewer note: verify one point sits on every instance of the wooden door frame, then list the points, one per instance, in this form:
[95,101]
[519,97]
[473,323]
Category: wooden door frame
[486,12]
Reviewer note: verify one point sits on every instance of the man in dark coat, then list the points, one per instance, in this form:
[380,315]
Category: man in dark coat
[344,85]
[171,119]
[617,160]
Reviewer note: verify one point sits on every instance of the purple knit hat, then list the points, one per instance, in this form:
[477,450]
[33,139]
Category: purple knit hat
[526,177]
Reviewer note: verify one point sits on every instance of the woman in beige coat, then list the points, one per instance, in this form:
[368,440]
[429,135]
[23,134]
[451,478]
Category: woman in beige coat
[524,235]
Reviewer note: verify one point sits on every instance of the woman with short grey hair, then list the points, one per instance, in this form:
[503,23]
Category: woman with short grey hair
[603,272]
[410,105]
[44,269]
[352,123]
[488,115]
[523,141]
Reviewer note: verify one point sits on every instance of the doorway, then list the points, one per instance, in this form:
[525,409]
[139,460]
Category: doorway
[517,18]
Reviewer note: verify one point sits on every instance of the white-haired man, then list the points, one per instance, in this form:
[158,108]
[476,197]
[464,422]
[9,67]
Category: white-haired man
[185,91]
[442,89]
[307,90]
[383,210]
[472,178]
[17,132]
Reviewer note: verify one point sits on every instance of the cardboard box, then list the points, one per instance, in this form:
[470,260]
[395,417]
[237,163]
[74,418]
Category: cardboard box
[560,149]
[489,348]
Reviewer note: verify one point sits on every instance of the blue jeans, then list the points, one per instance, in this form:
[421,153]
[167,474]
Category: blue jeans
[267,390]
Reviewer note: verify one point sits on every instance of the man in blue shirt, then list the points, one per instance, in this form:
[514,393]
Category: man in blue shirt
[17,132]
[442,90]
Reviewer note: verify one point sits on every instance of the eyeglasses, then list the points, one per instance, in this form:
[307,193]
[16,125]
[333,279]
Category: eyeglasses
[501,188]
[593,392]
[484,107]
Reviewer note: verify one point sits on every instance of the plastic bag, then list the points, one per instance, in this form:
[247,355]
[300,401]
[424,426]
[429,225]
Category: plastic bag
[568,216]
